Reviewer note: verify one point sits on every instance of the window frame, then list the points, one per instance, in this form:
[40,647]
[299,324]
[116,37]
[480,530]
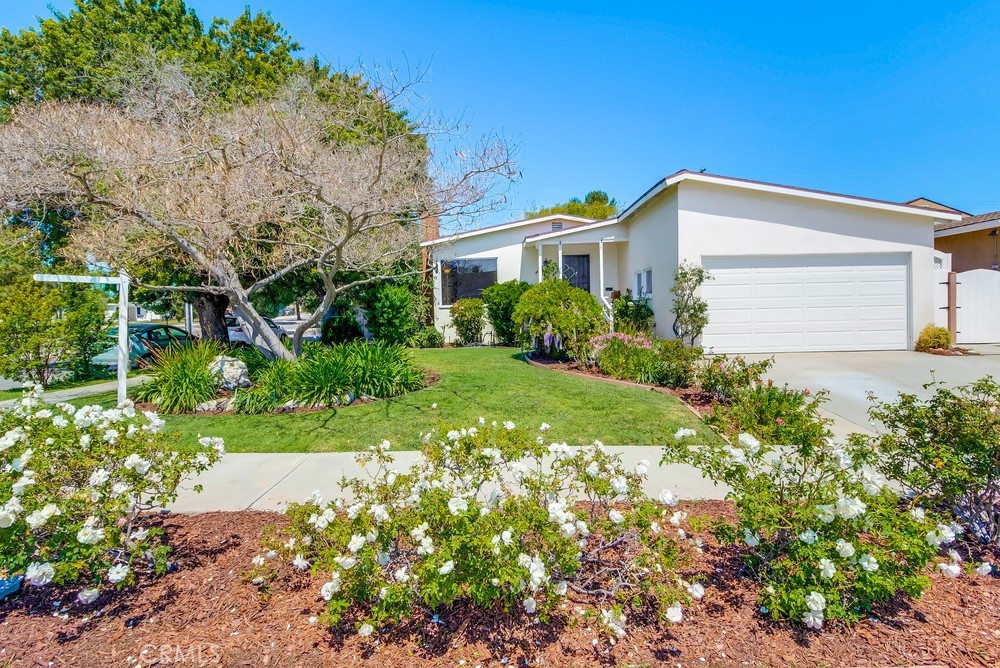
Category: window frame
[643,280]
[441,277]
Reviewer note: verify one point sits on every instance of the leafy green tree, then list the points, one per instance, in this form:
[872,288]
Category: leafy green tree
[84,316]
[595,205]
[690,310]
[31,337]
[390,314]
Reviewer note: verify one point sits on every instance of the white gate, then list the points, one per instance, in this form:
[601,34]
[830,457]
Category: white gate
[978,301]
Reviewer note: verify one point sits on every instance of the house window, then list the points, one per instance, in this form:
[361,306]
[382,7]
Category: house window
[461,279]
[644,283]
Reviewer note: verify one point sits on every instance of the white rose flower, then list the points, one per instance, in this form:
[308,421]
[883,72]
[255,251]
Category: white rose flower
[616,516]
[683,433]
[808,536]
[677,517]
[508,425]
[868,562]
[826,513]
[88,596]
[750,538]
[447,567]
[330,588]
[749,442]
[827,569]
[918,513]
[365,630]
[530,605]
[816,602]
[356,543]
[952,570]
[845,549]
[984,568]
[675,613]
[90,535]
[39,574]
[401,574]
[457,505]
[347,563]
[813,619]
[117,573]
[545,427]
[696,590]
[667,498]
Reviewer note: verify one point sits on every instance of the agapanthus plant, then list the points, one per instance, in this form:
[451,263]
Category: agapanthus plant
[491,514]
[74,483]
[824,534]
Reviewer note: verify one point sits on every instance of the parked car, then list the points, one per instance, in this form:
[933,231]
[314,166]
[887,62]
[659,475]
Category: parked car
[143,341]
[239,334]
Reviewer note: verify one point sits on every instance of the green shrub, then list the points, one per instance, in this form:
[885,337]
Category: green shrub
[467,316]
[632,316]
[824,536]
[479,519]
[84,315]
[501,300]
[932,337]
[558,320]
[427,337]
[382,370]
[273,387]
[181,378]
[678,362]
[626,357]
[723,377]
[775,415]
[341,328]
[322,377]
[945,450]
[78,513]
[390,313]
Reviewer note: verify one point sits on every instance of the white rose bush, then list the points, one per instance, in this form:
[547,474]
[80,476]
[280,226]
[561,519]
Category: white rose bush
[492,515]
[822,532]
[74,484]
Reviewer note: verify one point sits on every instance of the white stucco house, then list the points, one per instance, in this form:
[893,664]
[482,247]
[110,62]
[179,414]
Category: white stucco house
[793,269]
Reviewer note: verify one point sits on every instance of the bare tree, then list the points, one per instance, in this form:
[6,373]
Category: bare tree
[323,175]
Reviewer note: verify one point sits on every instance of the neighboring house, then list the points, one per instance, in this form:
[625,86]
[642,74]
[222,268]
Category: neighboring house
[972,241]
[793,269]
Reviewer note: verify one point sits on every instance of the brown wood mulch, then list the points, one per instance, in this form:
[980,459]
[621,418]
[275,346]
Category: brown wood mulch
[206,613]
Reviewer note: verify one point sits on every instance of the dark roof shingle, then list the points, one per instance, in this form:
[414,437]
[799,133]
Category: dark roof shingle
[968,220]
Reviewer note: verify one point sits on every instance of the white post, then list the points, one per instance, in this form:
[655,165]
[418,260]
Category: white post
[189,318]
[541,262]
[560,261]
[600,262]
[123,361]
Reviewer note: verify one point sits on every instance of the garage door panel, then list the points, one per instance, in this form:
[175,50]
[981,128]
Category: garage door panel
[799,303]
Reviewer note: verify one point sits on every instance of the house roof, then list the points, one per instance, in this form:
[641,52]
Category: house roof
[794,191]
[570,231]
[507,226]
[928,203]
[982,221]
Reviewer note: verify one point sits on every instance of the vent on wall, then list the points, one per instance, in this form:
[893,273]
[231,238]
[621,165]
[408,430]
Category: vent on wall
[556,226]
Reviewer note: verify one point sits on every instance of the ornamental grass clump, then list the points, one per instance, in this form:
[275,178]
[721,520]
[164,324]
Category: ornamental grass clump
[480,519]
[73,486]
[824,535]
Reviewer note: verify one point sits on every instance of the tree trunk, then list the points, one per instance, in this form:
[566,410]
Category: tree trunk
[211,310]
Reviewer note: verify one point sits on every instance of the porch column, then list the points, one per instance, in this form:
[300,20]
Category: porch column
[540,262]
[560,261]
[600,263]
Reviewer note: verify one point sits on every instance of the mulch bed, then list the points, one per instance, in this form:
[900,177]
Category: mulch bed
[206,611]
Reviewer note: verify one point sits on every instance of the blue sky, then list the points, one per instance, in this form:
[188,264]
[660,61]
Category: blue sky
[885,100]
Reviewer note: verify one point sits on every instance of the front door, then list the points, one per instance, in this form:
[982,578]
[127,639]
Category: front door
[576,269]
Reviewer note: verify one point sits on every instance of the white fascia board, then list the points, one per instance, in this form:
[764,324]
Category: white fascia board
[785,190]
[570,232]
[75,278]
[978,227]
[504,226]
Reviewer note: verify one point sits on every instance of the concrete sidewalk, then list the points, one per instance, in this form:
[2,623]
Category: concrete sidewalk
[58,396]
[243,481]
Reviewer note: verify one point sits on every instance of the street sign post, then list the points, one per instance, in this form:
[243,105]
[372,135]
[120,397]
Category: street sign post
[121,280]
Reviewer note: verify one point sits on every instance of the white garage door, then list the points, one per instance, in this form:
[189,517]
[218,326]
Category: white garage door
[802,303]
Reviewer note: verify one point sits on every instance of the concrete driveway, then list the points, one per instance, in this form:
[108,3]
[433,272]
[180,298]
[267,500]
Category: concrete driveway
[850,376]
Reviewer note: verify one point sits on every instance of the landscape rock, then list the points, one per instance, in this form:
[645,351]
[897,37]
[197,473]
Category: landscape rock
[233,373]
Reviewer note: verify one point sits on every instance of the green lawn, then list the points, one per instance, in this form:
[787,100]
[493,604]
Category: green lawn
[489,382]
